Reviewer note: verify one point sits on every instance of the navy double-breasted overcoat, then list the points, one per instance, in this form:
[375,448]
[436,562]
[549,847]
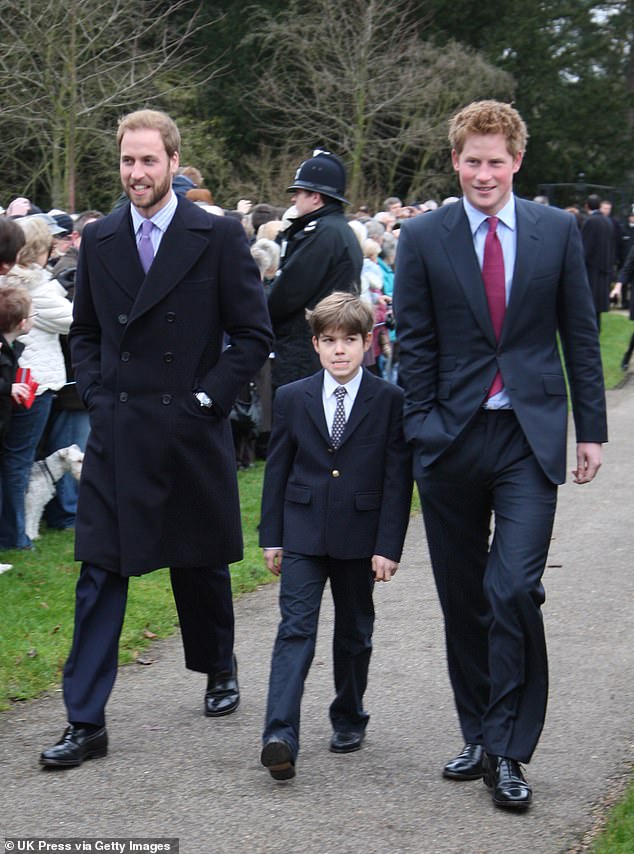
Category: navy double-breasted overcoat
[158,485]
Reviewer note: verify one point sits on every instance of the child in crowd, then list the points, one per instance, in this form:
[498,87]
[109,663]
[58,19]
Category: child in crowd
[335,505]
[15,320]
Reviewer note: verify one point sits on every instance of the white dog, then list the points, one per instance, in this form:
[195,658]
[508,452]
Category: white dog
[44,475]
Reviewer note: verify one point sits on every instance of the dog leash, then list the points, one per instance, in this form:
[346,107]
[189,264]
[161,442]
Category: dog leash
[43,465]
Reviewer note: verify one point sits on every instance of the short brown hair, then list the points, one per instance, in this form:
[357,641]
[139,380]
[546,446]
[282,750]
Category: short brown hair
[15,305]
[341,312]
[11,240]
[488,117]
[152,120]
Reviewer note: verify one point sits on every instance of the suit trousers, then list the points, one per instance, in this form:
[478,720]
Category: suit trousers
[205,609]
[302,584]
[490,587]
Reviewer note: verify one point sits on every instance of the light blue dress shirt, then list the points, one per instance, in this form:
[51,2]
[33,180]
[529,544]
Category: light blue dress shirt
[160,220]
[507,235]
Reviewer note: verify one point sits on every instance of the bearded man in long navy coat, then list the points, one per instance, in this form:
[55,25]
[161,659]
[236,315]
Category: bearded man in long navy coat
[162,287]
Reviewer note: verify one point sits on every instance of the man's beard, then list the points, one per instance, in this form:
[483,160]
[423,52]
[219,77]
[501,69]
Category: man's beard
[158,192]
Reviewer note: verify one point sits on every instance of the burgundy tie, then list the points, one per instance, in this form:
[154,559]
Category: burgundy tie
[495,286]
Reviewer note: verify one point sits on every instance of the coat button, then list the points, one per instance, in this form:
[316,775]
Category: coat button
[166,399]
[123,397]
[168,357]
[122,319]
[170,317]
[125,356]
[335,472]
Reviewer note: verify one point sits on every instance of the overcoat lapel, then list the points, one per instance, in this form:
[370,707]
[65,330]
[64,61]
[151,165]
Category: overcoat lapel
[181,246]
[117,250]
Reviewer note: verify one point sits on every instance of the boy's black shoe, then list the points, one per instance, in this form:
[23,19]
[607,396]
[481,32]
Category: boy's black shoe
[346,742]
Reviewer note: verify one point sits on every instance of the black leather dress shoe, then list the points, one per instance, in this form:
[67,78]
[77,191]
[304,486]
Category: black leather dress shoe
[346,742]
[278,757]
[75,745]
[223,693]
[507,783]
[467,765]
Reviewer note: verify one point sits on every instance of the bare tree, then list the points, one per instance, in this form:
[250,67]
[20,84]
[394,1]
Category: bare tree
[67,70]
[358,77]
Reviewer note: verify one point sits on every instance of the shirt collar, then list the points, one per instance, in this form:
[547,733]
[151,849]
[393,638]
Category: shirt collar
[161,219]
[352,386]
[476,217]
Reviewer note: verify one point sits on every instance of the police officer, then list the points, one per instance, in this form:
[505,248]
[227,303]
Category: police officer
[320,254]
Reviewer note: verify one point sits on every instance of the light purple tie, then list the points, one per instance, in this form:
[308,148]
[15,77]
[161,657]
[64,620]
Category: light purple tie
[146,250]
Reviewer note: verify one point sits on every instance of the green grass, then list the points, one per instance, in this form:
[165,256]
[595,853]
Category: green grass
[618,835]
[38,603]
[616,331]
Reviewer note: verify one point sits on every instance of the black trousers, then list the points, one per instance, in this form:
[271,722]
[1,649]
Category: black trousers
[302,585]
[205,610]
[490,588]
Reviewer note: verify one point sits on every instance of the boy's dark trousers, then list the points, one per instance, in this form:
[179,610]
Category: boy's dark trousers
[303,580]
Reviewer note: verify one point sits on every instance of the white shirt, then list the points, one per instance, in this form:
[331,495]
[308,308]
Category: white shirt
[329,399]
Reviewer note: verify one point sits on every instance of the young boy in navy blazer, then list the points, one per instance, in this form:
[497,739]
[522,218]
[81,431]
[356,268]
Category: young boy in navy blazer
[335,506]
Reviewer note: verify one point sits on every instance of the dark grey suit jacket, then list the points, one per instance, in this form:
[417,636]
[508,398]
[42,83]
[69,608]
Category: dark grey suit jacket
[448,350]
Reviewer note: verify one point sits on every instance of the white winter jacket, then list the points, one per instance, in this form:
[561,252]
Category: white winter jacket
[42,350]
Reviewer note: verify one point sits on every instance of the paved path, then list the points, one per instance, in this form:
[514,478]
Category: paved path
[171,772]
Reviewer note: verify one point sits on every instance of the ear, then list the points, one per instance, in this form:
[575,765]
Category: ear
[455,159]
[367,343]
[517,161]
[316,344]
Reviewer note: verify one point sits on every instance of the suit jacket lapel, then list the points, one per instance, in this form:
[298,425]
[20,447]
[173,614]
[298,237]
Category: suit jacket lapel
[360,407]
[314,404]
[527,251]
[458,243]
[315,407]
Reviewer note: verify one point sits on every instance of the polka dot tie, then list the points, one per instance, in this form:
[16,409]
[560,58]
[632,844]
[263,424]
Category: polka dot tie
[339,421]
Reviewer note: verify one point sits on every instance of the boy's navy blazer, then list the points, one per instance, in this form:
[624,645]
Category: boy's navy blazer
[348,503]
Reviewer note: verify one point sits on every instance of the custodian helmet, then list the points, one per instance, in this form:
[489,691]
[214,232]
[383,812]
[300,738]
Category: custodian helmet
[323,173]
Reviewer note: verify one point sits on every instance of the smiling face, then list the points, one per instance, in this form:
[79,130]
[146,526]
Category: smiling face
[341,353]
[485,170]
[146,170]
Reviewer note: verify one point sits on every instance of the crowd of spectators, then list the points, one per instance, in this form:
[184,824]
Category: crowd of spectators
[44,265]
